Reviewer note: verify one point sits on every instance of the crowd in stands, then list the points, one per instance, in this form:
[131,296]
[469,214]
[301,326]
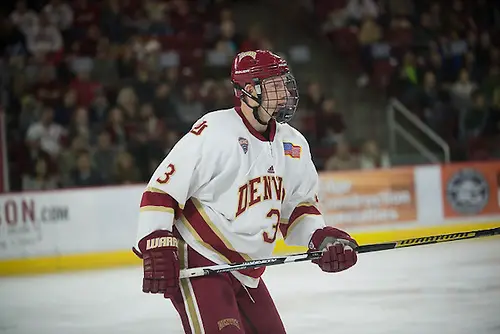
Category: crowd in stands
[98,92]
[325,129]
[441,59]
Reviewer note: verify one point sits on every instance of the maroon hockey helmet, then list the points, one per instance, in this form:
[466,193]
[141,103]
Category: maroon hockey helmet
[258,67]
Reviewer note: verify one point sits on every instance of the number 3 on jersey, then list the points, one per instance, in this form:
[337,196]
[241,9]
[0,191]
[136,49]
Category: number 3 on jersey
[166,176]
[271,213]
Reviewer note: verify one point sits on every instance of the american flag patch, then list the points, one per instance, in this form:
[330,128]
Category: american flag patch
[292,150]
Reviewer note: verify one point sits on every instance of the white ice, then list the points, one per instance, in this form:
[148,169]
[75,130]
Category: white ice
[447,288]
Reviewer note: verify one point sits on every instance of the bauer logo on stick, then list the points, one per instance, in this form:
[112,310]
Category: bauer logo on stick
[467,191]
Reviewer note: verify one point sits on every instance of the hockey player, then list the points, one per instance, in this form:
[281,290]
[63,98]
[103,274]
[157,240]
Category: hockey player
[222,194]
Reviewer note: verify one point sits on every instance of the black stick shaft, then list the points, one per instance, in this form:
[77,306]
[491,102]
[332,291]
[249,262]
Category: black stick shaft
[203,271]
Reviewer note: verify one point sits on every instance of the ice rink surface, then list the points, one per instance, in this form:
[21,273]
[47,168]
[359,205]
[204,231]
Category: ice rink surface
[446,288]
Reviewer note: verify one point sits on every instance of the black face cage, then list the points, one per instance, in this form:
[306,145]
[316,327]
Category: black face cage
[279,97]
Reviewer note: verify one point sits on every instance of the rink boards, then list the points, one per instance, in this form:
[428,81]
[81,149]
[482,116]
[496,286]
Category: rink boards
[95,227]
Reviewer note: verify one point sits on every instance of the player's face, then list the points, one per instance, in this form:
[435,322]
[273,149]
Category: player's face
[275,95]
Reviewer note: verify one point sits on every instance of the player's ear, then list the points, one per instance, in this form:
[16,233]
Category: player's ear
[249,88]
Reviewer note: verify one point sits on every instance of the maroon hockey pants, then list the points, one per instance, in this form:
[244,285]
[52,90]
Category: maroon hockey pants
[220,303]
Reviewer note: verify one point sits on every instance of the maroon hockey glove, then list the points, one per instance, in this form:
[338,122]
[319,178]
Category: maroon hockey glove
[338,249]
[158,251]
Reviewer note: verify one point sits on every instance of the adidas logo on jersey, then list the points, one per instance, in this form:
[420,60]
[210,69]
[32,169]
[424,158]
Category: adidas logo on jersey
[271,170]
[244,144]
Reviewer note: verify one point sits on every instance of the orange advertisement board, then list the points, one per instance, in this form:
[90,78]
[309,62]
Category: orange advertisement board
[470,189]
[368,198]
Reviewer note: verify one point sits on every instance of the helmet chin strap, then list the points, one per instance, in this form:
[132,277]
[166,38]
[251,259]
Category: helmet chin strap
[258,99]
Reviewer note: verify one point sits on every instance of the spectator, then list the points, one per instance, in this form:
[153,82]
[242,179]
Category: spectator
[483,15]
[99,109]
[78,64]
[456,50]
[143,87]
[494,57]
[463,87]
[371,157]
[330,124]
[356,10]
[48,91]
[406,84]
[231,41]
[113,22]
[87,45]
[39,179]
[369,33]
[128,101]
[116,128]
[436,15]
[126,62]
[314,98]
[104,69]
[85,88]
[14,42]
[64,111]
[150,125]
[409,68]
[84,174]
[50,134]
[474,120]
[25,19]
[471,66]
[425,32]
[164,106]
[46,40]
[104,156]
[435,65]
[252,42]
[482,51]
[438,113]
[31,110]
[458,18]
[66,161]
[493,123]
[401,8]
[222,98]
[429,91]
[85,15]
[28,154]
[343,159]
[170,138]
[188,108]
[125,170]
[59,14]
[158,21]
[80,125]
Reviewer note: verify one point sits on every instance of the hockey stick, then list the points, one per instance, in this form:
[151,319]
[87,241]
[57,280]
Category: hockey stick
[222,268]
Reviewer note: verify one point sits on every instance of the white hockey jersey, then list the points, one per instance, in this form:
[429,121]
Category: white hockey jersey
[227,190]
